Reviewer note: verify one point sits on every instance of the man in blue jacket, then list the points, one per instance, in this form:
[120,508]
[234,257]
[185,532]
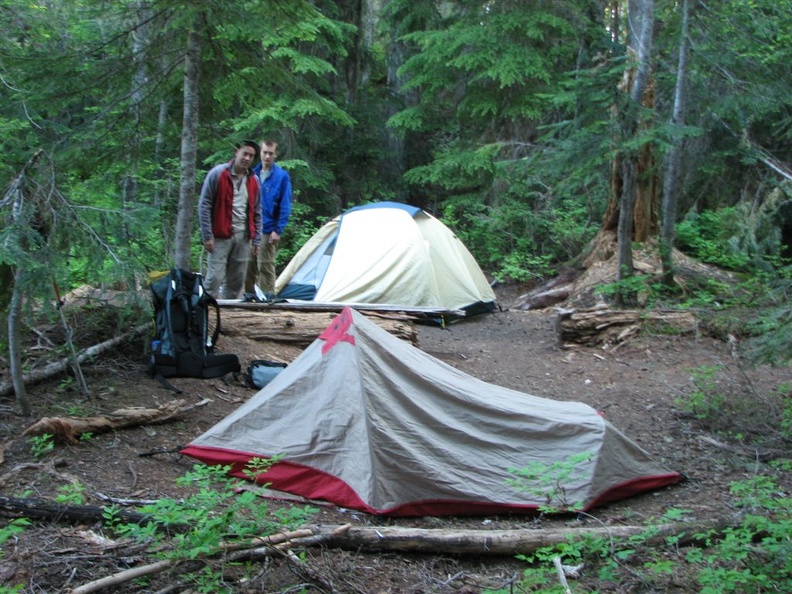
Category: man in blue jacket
[276,195]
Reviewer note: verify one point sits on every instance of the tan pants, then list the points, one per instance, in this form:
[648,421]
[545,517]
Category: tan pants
[226,266]
[261,270]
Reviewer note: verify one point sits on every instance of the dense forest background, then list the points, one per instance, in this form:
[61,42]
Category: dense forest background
[533,128]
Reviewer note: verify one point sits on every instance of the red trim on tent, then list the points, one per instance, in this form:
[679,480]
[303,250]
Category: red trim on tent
[635,487]
[315,484]
[285,476]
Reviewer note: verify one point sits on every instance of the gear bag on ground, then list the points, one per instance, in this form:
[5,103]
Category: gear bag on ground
[182,346]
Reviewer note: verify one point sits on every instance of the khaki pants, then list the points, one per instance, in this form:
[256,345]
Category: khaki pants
[261,270]
[226,266]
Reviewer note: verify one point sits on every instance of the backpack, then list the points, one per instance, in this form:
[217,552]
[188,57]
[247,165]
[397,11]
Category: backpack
[182,346]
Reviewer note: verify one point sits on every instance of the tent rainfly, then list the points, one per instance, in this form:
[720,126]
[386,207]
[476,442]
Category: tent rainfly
[387,253]
[366,421]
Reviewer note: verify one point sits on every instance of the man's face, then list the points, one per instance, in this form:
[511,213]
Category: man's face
[268,154]
[245,156]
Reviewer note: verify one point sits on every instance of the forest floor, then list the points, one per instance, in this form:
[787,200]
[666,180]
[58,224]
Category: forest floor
[644,386]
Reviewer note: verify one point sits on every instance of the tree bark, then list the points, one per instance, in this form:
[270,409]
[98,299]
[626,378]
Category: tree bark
[632,210]
[15,197]
[189,141]
[298,328]
[632,213]
[671,179]
[641,15]
[15,352]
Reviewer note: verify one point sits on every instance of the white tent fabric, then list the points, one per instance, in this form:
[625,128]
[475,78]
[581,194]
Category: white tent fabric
[387,253]
[369,422]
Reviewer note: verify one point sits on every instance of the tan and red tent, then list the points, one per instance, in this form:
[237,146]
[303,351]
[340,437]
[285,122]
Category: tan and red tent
[367,421]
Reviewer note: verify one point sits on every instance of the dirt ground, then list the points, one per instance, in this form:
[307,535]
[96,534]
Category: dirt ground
[640,386]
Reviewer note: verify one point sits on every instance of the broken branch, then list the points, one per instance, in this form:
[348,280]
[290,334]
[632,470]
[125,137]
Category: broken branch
[59,367]
[68,429]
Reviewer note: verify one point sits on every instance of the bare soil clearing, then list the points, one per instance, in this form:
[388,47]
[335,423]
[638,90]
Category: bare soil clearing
[637,385]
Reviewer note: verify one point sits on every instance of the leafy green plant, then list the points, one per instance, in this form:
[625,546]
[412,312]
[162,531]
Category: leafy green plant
[639,287]
[203,523]
[41,445]
[705,399]
[77,410]
[771,335]
[706,236]
[756,554]
[71,493]
[522,267]
[549,481]
[786,414]
[65,384]
[14,527]
[257,466]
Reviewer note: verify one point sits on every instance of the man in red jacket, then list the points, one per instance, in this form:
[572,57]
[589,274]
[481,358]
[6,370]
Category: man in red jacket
[229,212]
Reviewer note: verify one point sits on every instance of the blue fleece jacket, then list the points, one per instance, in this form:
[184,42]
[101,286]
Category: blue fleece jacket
[276,195]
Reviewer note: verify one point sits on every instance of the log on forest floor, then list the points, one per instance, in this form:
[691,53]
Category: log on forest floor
[58,367]
[378,539]
[43,509]
[68,429]
[604,326]
[300,328]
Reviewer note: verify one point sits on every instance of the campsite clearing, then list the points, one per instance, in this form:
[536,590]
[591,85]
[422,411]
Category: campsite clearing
[643,387]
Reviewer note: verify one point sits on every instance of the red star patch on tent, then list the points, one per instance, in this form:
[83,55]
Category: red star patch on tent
[337,331]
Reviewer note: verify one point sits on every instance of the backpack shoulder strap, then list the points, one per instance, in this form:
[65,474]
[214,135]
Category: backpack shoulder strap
[211,302]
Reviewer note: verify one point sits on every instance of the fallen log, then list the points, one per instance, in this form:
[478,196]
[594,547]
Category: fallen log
[298,328]
[261,548]
[544,299]
[43,509]
[58,367]
[379,539]
[605,326]
[371,539]
[552,292]
[68,429]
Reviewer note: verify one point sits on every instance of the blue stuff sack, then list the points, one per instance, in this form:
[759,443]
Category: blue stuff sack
[260,372]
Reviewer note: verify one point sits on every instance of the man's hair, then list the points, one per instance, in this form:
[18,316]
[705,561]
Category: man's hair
[252,144]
